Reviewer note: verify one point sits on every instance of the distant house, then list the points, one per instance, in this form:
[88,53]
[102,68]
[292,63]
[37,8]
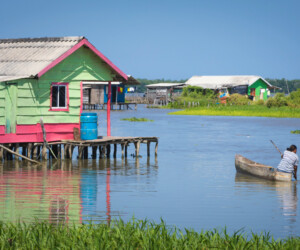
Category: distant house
[97,93]
[255,87]
[45,77]
[162,93]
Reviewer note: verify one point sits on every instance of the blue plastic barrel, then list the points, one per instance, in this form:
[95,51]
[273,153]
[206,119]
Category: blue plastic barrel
[88,126]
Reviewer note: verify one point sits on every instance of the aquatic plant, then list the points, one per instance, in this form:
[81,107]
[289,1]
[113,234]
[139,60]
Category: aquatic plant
[295,132]
[135,234]
[134,119]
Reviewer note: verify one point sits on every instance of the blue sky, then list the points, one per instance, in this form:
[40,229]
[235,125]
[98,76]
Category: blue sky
[172,39]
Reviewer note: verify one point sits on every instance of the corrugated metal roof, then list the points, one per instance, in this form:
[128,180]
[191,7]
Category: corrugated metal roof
[217,82]
[26,57]
[163,84]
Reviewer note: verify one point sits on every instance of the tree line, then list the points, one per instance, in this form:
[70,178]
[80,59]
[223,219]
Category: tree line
[285,85]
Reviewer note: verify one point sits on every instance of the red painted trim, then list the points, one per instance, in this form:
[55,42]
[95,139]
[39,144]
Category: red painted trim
[67,101]
[86,43]
[108,109]
[33,133]
[81,98]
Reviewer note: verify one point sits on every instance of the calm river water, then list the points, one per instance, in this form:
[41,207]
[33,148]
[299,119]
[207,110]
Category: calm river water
[192,183]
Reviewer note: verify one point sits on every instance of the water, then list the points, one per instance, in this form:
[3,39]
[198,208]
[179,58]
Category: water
[192,183]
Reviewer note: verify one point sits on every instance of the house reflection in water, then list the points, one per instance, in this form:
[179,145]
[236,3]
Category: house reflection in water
[29,193]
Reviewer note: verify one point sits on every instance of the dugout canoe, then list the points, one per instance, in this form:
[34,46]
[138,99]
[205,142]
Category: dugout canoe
[246,166]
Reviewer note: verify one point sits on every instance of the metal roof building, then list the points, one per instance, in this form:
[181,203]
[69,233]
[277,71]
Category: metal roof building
[219,82]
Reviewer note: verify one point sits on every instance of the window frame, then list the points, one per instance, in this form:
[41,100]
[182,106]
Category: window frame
[66,108]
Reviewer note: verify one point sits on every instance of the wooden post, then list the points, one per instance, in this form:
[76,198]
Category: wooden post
[58,151]
[137,148]
[34,152]
[70,151]
[1,154]
[100,152]
[148,148]
[62,151]
[126,146]
[94,154]
[135,106]
[24,150]
[122,146]
[86,152]
[156,146]
[115,150]
[104,151]
[29,150]
[66,146]
[44,153]
[80,150]
[108,151]
[17,149]
[108,109]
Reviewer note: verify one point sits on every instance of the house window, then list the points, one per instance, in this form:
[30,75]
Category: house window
[59,97]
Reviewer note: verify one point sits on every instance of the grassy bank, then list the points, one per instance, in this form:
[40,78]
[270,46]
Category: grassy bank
[131,235]
[243,110]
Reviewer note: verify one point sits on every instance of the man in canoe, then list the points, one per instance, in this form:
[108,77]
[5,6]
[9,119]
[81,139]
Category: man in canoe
[289,161]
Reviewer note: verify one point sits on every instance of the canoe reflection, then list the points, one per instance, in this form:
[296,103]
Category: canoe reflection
[285,191]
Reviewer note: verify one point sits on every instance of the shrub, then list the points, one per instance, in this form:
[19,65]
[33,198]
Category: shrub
[260,102]
[237,99]
[294,98]
[279,100]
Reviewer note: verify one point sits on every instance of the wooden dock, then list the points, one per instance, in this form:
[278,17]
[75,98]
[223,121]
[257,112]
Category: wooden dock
[101,147]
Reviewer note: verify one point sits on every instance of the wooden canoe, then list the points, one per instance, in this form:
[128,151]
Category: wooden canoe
[246,166]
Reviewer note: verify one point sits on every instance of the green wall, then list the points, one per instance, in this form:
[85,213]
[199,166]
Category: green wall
[258,85]
[33,95]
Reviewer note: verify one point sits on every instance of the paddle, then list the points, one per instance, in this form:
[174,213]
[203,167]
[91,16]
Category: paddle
[276,148]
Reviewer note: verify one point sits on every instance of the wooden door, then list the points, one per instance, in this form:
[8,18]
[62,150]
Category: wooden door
[252,92]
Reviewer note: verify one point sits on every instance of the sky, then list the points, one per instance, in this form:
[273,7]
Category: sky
[172,39]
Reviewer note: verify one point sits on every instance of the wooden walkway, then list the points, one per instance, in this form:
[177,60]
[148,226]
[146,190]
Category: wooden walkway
[101,147]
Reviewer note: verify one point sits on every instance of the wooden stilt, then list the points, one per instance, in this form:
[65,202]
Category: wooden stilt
[126,146]
[85,153]
[148,148]
[34,152]
[29,149]
[80,152]
[70,148]
[122,147]
[17,150]
[156,147]
[24,150]
[1,154]
[100,152]
[44,153]
[137,148]
[66,146]
[115,150]
[58,153]
[94,153]
[108,151]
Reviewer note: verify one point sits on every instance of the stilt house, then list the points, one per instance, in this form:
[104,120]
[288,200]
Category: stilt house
[44,78]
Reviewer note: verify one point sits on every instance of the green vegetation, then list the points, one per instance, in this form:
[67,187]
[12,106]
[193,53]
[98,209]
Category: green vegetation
[136,234]
[295,132]
[134,119]
[239,105]
[245,110]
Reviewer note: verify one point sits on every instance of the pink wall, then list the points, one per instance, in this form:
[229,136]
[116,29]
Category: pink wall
[33,133]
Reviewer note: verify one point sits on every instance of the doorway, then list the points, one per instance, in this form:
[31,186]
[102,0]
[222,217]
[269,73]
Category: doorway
[11,107]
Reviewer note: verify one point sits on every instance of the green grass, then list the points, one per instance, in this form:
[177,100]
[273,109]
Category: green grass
[134,119]
[295,132]
[245,110]
[135,234]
